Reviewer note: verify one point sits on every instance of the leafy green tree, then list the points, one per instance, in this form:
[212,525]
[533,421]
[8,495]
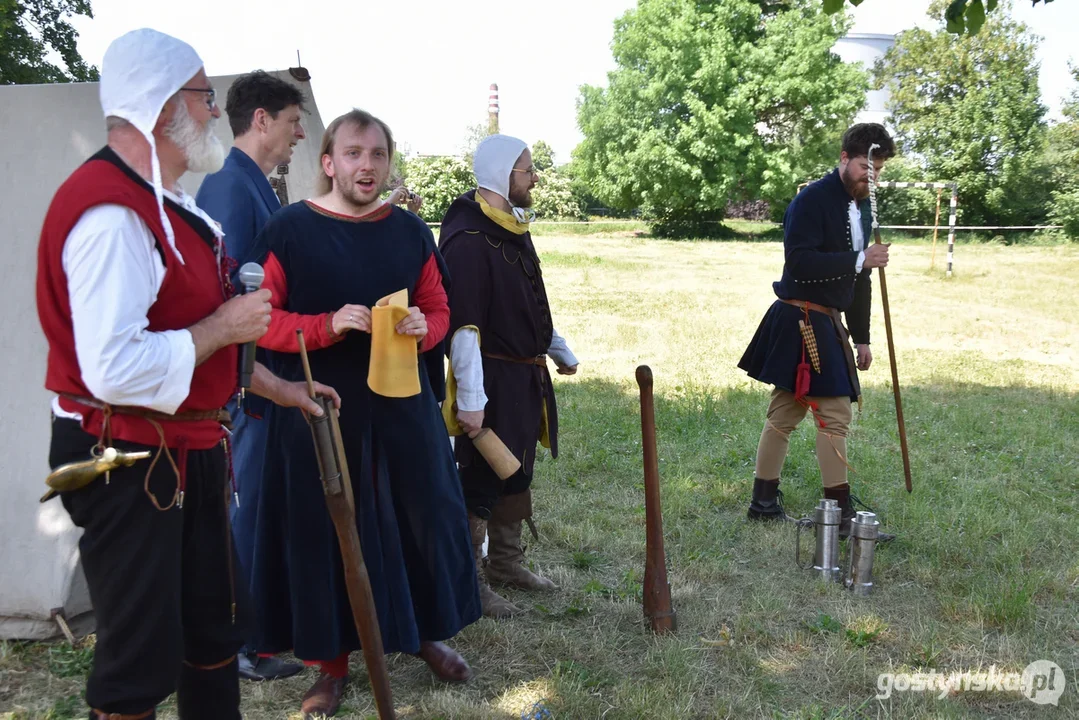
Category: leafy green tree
[553,197]
[439,180]
[966,108]
[714,101]
[542,156]
[30,30]
[960,15]
[1063,160]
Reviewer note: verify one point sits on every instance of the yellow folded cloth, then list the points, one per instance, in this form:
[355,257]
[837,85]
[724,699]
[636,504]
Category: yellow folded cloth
[394,370]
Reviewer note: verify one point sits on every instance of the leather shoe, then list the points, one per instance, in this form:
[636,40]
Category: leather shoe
[445,663]
[253,667]
[324,697]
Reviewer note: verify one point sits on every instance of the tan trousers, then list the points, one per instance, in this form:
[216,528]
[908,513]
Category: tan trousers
[784,414]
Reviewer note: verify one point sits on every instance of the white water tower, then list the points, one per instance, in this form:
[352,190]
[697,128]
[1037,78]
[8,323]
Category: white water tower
[867,48]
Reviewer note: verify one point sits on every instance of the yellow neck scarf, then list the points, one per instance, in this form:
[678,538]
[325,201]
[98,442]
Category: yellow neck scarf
[502,218]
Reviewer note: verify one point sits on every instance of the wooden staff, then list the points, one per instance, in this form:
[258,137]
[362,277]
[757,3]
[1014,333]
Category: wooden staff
[337,485]
[888,325]
[657,591]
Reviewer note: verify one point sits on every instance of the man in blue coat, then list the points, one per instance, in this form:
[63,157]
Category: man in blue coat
[265,116]
[802,347]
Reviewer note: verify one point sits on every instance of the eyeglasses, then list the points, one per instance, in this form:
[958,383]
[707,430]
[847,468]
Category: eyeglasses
[531,170]
[210,93]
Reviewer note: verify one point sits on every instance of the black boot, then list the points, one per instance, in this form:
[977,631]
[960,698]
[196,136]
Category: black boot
[209,694]
[767,502]
[841,494]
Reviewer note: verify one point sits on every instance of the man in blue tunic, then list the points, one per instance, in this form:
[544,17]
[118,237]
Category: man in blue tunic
[328,261]
[801,346]
[264,113]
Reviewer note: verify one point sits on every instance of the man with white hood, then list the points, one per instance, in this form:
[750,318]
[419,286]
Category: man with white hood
[134,298]
[501,333]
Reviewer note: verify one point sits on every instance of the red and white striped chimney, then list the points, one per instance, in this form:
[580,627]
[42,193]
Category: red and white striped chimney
[492,111]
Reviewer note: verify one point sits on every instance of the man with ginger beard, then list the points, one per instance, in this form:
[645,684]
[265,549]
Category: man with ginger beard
[826,271]
[501,334]
[136,304]
[328,261]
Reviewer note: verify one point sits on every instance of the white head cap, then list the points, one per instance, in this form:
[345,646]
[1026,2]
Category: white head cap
[140,72]
[493,162]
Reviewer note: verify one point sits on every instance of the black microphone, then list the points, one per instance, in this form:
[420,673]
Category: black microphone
[251,277]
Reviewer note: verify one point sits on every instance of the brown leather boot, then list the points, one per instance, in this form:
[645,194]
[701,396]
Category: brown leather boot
[494,605]
[102,715]
[505,556]
[323,699]
[445,662]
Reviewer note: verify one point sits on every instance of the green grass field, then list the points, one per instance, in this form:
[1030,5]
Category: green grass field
[985,571]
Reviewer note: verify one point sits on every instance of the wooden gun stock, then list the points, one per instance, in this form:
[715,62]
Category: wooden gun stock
[657,591]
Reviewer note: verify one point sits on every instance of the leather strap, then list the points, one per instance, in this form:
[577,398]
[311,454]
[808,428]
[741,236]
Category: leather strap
[220,415]
[805,304]
[540,360]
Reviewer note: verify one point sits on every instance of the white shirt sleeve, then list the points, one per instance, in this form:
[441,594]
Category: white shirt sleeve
[857,240]
[467,365]
[114,274]
[560,352]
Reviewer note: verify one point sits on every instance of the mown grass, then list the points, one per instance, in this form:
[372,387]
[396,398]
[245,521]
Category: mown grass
[984,572]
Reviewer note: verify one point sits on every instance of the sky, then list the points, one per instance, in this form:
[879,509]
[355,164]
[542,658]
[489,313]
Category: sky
[425,66]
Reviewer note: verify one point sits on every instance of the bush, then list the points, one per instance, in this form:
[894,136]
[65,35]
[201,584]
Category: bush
[1064,210]
[909,206]
[439,180]
[553,198]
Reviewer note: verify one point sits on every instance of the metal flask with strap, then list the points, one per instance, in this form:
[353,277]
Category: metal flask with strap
[825,523]
[864,530]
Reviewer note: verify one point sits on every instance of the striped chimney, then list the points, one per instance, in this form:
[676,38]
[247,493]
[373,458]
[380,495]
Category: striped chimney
[492,111]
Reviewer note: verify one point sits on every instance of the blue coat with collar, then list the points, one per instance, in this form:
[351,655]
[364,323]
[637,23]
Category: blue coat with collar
[819,267]
[240,198]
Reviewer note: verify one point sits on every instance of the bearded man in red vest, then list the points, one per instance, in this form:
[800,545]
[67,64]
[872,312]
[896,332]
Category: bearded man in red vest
[134,297]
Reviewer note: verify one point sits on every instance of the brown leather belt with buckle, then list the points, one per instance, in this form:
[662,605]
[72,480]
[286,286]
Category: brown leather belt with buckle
[803,304]
[540,360]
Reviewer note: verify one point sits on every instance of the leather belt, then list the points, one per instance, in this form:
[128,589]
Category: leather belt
[220,415]
[805,304]
[540,360]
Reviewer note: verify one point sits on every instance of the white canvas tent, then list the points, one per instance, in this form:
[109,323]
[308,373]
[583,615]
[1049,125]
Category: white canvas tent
[48,131]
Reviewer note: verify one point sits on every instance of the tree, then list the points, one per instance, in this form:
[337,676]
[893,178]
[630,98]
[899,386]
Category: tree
[542,156]
[1063,161]
[966,108]
[960,15]
[553,197]
[439,180]
[29,30]
[713,101]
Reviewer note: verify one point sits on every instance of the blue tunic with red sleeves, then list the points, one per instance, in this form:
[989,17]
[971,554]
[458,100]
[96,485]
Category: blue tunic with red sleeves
[410,511]
[819,267]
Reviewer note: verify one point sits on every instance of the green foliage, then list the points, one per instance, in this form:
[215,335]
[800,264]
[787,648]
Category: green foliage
[714,102]
[1062,157]
[960,15]
[30,30]
[439,180]
[542,156]
[966,108]
[909,206]
[553,197]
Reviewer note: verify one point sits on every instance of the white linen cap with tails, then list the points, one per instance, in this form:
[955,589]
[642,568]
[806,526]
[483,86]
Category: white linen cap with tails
[141,70]
[492,163]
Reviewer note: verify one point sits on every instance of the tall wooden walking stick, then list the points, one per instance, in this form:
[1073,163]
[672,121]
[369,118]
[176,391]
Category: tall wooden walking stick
[337,485]
[888,324]
[657,591]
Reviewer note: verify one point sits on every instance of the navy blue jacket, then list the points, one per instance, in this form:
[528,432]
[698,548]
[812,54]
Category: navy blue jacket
[819,257]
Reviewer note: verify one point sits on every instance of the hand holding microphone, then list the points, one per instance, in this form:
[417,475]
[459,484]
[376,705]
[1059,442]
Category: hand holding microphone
[257,305]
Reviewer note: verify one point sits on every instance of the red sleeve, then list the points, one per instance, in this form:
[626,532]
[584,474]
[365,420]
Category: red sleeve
[281,336]
[431,300]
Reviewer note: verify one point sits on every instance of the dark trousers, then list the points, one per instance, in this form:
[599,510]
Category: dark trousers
[160,582]
[482,487]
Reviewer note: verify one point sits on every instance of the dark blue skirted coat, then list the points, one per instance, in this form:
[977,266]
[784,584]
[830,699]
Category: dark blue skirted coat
[240,198]
[410,511]
[819,267]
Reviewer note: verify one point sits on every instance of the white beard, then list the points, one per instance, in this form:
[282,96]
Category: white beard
[203,150]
